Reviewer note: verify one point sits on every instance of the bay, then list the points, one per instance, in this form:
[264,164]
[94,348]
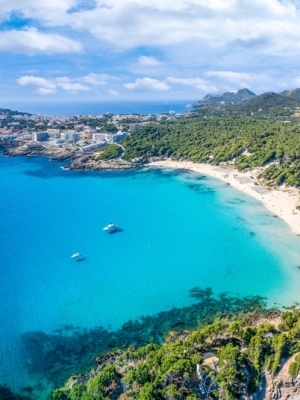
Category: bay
[70,108]
[178,230]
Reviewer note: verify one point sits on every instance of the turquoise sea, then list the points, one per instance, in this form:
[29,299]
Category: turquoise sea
[178,230]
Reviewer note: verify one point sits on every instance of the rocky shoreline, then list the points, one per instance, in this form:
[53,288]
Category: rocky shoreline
[78,161]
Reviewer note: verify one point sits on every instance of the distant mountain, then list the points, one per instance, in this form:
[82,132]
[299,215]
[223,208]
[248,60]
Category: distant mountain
[292,94]
[227,97]
[267,100]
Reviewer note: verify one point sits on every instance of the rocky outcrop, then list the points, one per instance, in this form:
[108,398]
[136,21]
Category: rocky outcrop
[90,163]
[61,155]
[39,151]
[8,144]
[78,160]
[280,386]
[18,151]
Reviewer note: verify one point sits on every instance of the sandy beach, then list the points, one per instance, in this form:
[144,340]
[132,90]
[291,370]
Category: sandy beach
[281,202]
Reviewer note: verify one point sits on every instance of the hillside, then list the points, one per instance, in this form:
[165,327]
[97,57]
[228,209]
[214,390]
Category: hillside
[8,112]
[293,94]
[227,97]
[223,139]
[267,101]
[222,360]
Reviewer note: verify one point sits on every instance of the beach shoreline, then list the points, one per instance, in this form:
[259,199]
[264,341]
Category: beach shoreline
[281,202]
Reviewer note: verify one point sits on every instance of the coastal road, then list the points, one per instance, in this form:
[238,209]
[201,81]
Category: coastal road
[121,153]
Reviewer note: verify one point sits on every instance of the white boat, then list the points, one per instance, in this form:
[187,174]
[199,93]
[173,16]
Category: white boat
[76,255]
[111,227]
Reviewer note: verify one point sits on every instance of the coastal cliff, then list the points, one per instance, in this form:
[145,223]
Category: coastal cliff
[78,160]
[235,358]
[91,163]
[282,385]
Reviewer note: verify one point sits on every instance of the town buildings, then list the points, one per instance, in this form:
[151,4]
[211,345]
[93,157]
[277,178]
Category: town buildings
[135,127]
[40,136]
[110,138]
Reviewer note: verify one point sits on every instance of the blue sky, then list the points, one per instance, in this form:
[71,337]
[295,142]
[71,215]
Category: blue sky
[76,50]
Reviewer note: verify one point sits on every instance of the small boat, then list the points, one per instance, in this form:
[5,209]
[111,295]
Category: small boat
[112,227]
[76,255]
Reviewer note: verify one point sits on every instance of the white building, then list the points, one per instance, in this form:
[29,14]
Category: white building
[40,136]
[135,127]
[99,136]
[110,138]
[71,136]
[54,133]
[92,147]
[59,142]
[117,137]
[88,132]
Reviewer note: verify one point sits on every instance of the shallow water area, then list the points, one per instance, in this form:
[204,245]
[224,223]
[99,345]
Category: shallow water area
[178,230]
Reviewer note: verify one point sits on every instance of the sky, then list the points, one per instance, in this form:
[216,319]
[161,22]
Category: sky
[108,50]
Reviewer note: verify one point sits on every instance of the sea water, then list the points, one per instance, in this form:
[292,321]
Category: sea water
[46,107]
[178,230]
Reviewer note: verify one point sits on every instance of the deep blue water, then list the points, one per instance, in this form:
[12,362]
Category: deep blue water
[100,107]
[179,230]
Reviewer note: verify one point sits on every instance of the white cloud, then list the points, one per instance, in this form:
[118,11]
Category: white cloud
[229,75]
[30,80]
[113,92]
[73,87]
[271,26]
[96,79]
[283,85]
[48,86]
[44,91]
[31,41]
[198,83]
[222,36]
[148,61]
[69,85]
[40,9]
[241,79]
[147,84]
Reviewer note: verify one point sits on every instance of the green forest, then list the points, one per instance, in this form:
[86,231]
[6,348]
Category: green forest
[180,368]
[246,142]
[109,152]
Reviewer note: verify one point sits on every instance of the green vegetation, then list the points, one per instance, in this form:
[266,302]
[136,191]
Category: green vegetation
[279,174]
[174,369]
[267,101]
[9,112]
[293,94]
[72,350]
[98,387]
[246,142]
[109,152]
[294,367]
